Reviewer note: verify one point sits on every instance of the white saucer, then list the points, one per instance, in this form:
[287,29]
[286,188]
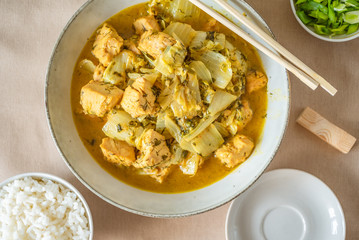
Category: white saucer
[286,204]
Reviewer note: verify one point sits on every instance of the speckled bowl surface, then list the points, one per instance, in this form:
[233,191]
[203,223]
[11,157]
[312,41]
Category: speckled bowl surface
[89,172]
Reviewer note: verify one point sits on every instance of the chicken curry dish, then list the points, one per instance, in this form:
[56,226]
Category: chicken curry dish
[166,99]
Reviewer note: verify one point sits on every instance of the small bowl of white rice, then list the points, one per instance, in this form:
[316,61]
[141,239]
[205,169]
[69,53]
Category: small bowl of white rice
[43,206]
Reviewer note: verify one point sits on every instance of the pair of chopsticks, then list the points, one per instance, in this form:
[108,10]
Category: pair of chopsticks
[288,60]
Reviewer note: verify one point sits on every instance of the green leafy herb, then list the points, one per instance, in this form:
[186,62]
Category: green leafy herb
[329,17]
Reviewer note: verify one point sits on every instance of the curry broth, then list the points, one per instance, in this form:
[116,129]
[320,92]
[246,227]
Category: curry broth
[90,128]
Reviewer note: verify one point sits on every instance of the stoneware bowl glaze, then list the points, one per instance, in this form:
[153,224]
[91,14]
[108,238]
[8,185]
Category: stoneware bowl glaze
[89,172]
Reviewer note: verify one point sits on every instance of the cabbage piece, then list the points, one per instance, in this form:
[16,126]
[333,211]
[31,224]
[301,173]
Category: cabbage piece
[183,10]
[151,77]
[215,41]
[221,129]
[161,123]
[229,46]
[187,146]
[121,126]
[166,96]
[220,41]
[187,98]
[201,70]
[170,59]
[175,55]
[198,40]
[191,164]
[202,125]
[163,67]
[173,129]
[115,72]
[184,32]
[208,141]
[177,154]
[193,86]
[219,66]
[87,65]
[220,101]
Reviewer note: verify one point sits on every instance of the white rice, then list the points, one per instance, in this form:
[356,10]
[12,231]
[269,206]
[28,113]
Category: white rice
[41,209]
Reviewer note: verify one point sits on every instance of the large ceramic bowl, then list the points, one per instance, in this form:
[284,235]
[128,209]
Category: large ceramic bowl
[89,172]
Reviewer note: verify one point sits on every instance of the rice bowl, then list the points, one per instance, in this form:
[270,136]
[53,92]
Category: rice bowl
[42,206]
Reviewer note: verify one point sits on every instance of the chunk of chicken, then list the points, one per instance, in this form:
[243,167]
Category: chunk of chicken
[154,150]
[255,81]
[191,164]
[146,23]
[118,152]
[138,99]
[245,115]
[159,174]
[154,43]
[211,26]
[236,118]
[130,45]
[98,73]
[98,98]
[235,151]
[107,44]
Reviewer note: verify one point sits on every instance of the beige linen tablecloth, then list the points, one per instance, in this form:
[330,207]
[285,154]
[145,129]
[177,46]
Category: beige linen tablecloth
[28,31]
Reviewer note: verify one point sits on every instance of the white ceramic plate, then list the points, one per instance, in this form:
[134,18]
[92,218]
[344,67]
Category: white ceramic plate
[286,204]
[126,197]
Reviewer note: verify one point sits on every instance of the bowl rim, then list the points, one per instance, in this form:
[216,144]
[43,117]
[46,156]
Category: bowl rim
[322,37]
[48,176]
[123,207]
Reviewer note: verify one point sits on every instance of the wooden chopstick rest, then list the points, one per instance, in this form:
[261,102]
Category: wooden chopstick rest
[327,131]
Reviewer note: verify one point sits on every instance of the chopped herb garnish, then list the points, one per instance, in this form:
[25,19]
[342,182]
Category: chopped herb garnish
[145,106]
[156,91]
[210,36]
[133,124]
[157,142]
[91,142]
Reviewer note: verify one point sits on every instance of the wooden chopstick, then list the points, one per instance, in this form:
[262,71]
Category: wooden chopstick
[274,44]
[309,81]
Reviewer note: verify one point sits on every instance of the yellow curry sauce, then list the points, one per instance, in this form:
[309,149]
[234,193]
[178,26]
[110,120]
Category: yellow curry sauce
[90,128]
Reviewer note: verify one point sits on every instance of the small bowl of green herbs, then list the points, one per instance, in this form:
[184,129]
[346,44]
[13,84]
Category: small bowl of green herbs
[330,20]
